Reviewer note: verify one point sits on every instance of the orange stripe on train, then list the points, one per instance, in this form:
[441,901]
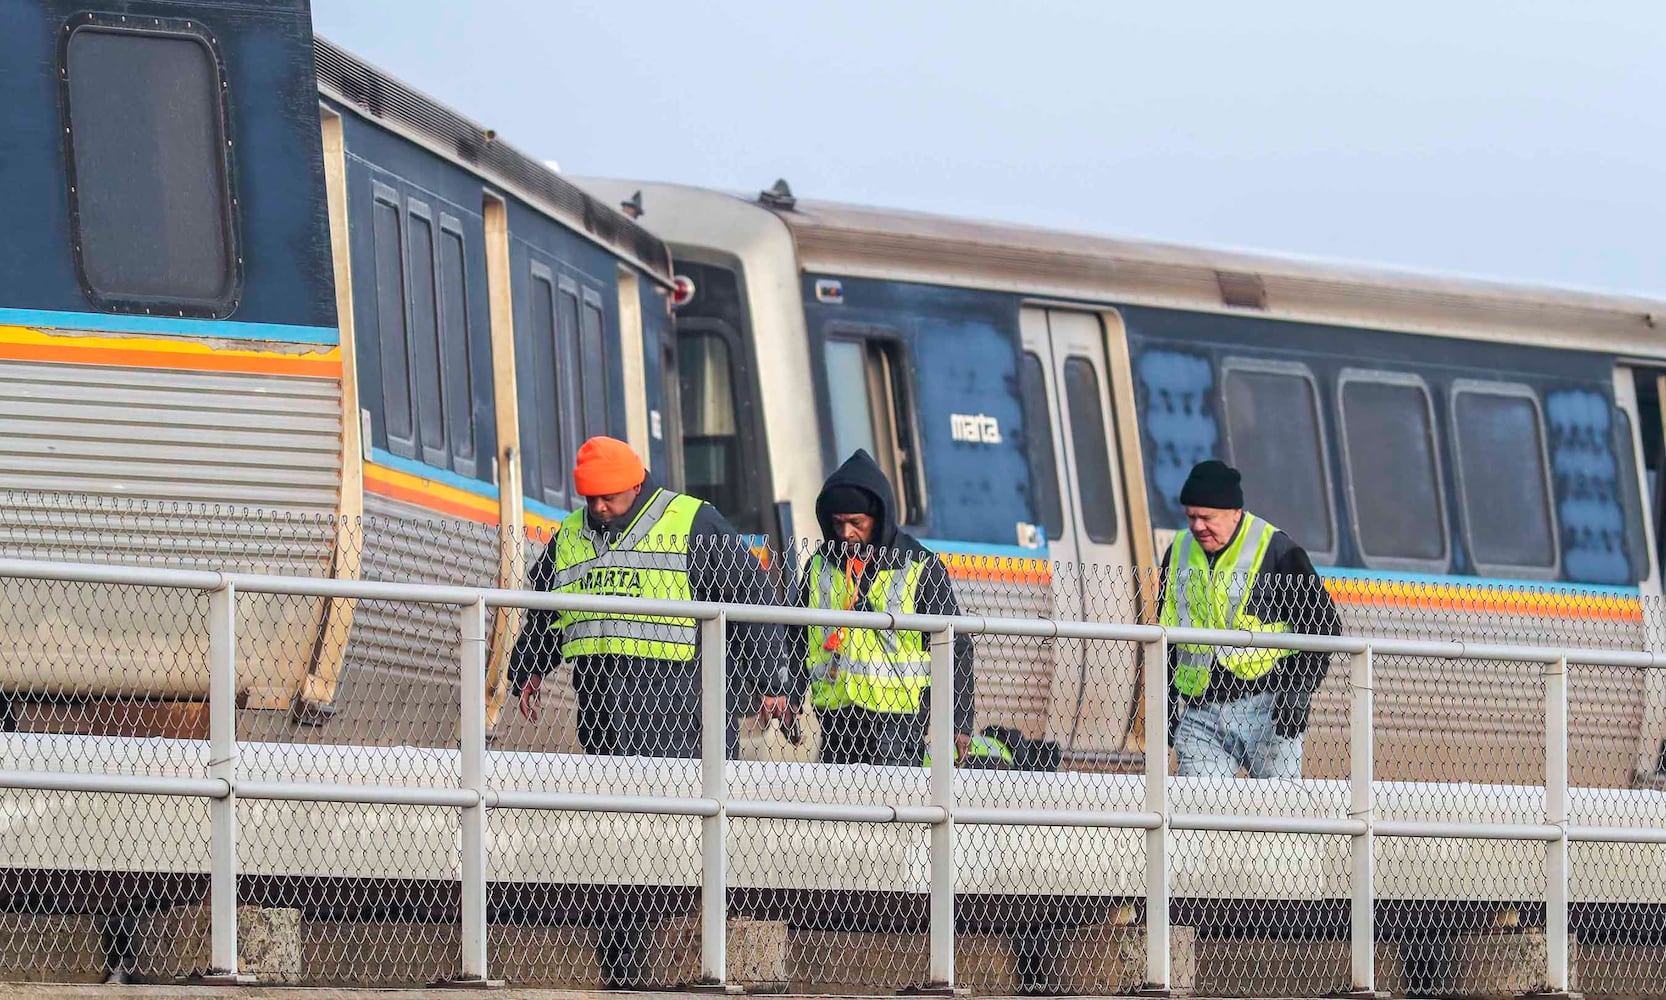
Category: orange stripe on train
[22,344]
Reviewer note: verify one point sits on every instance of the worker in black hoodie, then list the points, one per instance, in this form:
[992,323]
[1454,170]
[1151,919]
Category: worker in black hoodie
[871,689]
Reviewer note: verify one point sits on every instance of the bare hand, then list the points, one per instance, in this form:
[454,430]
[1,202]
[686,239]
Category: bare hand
[532,697]
[962,747]
[774,706]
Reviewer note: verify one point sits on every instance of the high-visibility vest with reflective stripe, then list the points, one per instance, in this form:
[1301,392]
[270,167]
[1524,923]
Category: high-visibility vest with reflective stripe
[1198,595]
[649,560]
[882,671]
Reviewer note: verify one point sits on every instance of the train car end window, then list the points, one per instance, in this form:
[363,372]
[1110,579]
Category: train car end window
[867,399]
[1275,437]
[545,406]
[1503,479]
[711,434]
[425,334]
[1393,471]
[146,141]
[390,322]
[458,381]
[1091,451]
[593,354]
[1038,445]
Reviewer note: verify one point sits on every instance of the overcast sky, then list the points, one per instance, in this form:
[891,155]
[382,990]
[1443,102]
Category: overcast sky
[1518,140]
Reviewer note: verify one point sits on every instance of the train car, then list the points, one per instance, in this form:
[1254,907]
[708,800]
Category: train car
[1458,457]
[264,307]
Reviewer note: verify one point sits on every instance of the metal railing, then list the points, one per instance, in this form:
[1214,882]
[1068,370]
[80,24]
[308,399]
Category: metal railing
[472,796]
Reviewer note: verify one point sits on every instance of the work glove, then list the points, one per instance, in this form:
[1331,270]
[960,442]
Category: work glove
[1290,711]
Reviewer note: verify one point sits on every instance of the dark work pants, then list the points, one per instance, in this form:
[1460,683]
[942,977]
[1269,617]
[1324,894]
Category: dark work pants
[859,736]
[646,708]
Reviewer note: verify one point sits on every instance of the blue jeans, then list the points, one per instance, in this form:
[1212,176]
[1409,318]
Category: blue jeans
[1216,739]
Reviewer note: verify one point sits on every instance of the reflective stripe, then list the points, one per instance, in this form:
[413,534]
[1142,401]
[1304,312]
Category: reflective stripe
[1221,602]
[904,669]
[631,628]
[671,562]
[645,522]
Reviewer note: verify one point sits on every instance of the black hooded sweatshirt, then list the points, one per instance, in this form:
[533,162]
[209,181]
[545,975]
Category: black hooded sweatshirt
[721,567]
[892,548]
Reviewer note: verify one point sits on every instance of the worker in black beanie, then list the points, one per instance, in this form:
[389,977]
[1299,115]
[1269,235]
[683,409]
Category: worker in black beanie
[1240,708]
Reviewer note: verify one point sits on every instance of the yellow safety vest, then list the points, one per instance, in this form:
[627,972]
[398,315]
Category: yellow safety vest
[650,560]
[1216,597]
[876,670]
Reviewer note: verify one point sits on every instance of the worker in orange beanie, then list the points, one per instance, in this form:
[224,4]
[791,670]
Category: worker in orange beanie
[637,677]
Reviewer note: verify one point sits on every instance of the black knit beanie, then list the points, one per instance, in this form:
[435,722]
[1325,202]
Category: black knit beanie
[845,498]
[1213,484]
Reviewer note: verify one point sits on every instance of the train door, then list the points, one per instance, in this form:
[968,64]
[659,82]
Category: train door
[1066,383]
[1639,396]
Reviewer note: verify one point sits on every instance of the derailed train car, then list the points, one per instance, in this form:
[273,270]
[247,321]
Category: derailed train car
[265,307]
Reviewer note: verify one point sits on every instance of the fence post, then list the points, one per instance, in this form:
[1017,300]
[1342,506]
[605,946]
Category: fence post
[714,784]
[941,778]
[1556,814]
[1157,839]
[1362,805]
[472,734]
[222,764]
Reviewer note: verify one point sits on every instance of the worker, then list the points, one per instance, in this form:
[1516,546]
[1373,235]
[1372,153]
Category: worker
[871,689]
[637,677]
[1244,708]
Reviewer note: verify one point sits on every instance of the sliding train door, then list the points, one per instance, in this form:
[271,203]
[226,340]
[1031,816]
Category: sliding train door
[1081,503]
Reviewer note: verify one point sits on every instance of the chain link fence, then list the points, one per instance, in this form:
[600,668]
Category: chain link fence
[597,874]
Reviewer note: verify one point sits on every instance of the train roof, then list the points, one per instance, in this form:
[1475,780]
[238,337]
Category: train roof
[357,85]
[848,239]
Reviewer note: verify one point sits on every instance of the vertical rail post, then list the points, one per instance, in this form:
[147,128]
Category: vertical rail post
[1362,806]
[472,736]
[222,764]
[1157,840]
[714,784]
[1556,814]
[943,870]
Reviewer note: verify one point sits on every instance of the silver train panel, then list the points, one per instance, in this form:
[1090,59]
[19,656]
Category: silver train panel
[399,682]
[161,468]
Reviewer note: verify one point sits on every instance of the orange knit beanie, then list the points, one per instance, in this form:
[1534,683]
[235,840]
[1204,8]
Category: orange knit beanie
[606,466]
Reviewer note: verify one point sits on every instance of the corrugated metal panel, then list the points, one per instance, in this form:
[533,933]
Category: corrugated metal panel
[399,683]
[1464,720]
[199,437]
[161,468]
[1014,676]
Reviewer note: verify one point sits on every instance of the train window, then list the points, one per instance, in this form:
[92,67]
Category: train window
[1503,478]
[1038,445]
[1091,452]
[425,335]
[848,399]
[594,362]
[544,407]
[454,341]
[150,201]
[390,322]
[1275,437]
[567,363]
[1595,486]
[711,435]
[1176,400]
[1393,467]
[1631,497]
[867,400]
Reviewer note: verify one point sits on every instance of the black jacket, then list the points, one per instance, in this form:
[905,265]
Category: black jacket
[891,548]
[721,567]
[1288,590]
